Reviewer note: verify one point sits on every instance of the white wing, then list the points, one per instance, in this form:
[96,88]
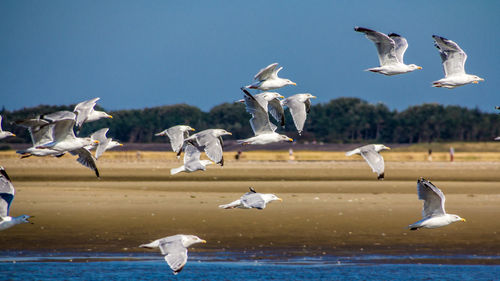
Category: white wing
[452,56]
[212,144]
[260,119]
[374,159]
[176,136]
[192,158]
[298,111]
[385,45]
[276,109]
[253,200]
[176,253]
[266,72]
[83,110]
[433,198]
[401,46]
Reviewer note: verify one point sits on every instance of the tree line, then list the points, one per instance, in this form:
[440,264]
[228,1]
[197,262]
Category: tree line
[342,120]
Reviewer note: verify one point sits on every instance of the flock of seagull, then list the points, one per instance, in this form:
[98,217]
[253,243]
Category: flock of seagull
[54,135]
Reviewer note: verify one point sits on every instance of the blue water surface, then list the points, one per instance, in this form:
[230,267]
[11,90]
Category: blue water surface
[208,268]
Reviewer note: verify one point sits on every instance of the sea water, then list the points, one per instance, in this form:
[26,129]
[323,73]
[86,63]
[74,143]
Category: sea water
[227,266]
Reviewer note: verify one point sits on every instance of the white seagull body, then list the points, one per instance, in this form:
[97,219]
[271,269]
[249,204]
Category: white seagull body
[192,161]
[433,212]
[251,200]
[174,248]
[299,105]
[453,59]
[391,49]
[263,129]
[4,134]
[372,156]
[7,193]
[267,79]
[177,135]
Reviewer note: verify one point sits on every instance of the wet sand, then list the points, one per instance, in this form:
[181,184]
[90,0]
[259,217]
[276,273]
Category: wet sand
[335,208]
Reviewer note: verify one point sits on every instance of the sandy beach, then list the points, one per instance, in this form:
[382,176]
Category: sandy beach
[329,207]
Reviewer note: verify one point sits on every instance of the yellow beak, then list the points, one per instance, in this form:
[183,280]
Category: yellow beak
[419,67]
[203,241]
[463,220]
[388,148]
[279,199]
[121,144]
[281,97]
[13,135]
[475,82]
[230,133]
[314,97]
[293,83]
[96,141]
[109,116]
[290,139]
[192,129]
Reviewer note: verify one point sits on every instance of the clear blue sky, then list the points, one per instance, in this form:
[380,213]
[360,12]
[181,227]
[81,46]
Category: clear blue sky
[136,54]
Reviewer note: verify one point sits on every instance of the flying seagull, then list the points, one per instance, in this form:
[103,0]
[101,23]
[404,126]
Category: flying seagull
[86,113]
[4,134]
[177,135]
[274,105]
[453,59]
[64,140]
[373,158]
[174,248]
[6,196]
[211,140]
[192,161]
[104,144]
[252,199]
[267,79]
[433,212]
[263,129]
[299,106]
[391,49]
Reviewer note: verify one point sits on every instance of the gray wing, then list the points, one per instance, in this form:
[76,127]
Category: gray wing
[58,116]
[192,158]
[260,118]
[452,56]
[6,193]
[63,129]
[276,109]
[298,110]
[212,145]
[41,135]
[401,46]
[385,45]
[100,135]
[83,110]
[433,198]
[175,253]
[374,159]
[253,200]
[266,72]
[85,158]
[176,136]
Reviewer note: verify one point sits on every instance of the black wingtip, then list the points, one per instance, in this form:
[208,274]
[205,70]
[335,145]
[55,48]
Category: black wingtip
[4,173]
[381,177]
[97,173]
[252,190]
[363,29]
[394,35]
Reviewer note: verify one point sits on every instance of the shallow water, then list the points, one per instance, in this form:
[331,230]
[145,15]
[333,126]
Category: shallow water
[228,266]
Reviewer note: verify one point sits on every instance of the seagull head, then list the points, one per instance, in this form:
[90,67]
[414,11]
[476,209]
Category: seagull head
[224,132]
[456,218]
[285,138]
[379,147]
[414,66]
[272,95]
[271,197]
[290,82]
[192,239]
[309,96]
[25,219]
[476,79]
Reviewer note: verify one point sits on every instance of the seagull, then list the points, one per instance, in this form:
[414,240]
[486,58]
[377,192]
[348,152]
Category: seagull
[64,139]
[86,113]
[174,248]
[176,134]
[4,134]
[6,196]
[263,129]
[391,49]
[41,133]
[252,199]
[433,212]
[104,144]
[211,139]
[299,106]
[373,158]
[267,79]
[192,161]
[274,105]
[453,58]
